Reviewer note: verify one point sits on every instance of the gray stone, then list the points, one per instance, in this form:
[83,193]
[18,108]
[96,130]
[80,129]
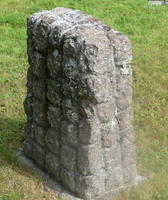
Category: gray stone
[28,106]
[38,63]
[39,134]
[68,179]
[28,146]
[54,63]
[39,112]
[53,92]
[54,113]
[124,119]
[89,131]
[89,186]
[52,140]
[114,177]
[69,133]
[79,103]
[29,130]
[70,110]
[89,159]
[29,83]
[38,154]
[68,158]
[105,111]
[39,89]
[109,133]
[53,165]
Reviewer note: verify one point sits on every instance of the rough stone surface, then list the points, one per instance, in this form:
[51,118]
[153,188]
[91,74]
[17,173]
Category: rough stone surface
[79,102]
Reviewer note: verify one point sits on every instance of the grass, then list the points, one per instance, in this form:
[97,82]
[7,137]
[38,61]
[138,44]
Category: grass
[147,28]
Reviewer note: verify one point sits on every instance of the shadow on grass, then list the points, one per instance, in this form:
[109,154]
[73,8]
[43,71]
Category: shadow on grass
[11,135]
[11,138]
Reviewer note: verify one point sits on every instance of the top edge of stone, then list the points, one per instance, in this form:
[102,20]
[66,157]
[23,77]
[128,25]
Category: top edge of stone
[60,21]
[74,17]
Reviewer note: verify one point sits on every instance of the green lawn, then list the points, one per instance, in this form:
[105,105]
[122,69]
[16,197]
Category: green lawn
[147,28]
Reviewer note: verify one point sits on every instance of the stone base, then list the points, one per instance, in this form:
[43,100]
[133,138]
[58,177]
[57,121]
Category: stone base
[51,185]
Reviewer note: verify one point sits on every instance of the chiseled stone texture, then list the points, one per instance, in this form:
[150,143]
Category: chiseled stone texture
[79,102]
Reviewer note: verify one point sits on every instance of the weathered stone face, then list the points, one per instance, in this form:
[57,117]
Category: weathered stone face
[79,102]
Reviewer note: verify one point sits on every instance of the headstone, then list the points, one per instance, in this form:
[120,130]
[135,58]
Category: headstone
[79,102]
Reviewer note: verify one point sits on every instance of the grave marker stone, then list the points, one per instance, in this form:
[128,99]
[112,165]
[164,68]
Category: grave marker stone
[79,102]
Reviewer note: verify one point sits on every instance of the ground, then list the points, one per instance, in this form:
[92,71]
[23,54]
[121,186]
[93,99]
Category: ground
[147,28]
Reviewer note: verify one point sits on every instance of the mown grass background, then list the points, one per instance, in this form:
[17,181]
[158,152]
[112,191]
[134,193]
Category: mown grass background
[147,28]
